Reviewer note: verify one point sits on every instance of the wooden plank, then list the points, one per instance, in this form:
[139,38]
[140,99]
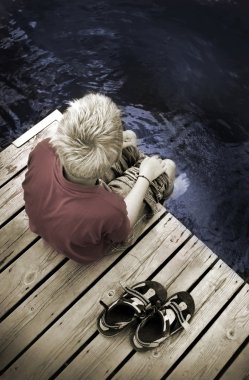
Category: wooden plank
[11,197]
[185,268]
[13,159]
[239,369]
[45,304]
[213,291]
[99,358]
[21,276]
[55,115]
[14,237]
[219,343]
[77,325]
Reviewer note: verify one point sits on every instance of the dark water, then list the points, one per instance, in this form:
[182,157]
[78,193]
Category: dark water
[179,70]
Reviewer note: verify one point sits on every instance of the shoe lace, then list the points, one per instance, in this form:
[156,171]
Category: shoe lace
[151,309]
[148,307]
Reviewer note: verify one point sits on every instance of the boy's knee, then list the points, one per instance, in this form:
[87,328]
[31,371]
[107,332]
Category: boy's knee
[170,164]
[170,168]
[129,138]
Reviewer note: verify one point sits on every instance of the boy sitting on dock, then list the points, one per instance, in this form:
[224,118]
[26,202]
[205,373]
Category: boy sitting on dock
[88,187]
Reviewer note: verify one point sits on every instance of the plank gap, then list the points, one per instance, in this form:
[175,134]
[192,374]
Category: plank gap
[42,332]
[169,258]
[13,176]
[140,237]
[124,361]
[71,358]
[113,264]
[232,359]
[202,276]
[12,217]
[44,279]
[73,302]
[20,253]
[203,332]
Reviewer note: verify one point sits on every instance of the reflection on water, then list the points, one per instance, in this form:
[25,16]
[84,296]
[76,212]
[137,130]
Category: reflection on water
[179,69]
[180,186]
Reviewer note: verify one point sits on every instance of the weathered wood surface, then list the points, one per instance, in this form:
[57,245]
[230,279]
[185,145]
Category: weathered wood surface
[11,197]
[49,304]
[239,369]
[13,159]
[79,323]
[216,288]
[219,343]
[20,277]
[15,236]
[50,299]
[184,268]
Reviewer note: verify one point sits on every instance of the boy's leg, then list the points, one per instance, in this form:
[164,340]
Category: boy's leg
[129,138]
[130,156]
[168,187]
[159,190]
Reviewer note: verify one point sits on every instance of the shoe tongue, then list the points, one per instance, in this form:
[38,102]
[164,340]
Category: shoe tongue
[133,302]
[170,315]
[149,294]
[167,314]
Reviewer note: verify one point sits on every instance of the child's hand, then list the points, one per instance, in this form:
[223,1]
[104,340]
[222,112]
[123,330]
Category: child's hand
[129,138]
[104,185]
[152,167]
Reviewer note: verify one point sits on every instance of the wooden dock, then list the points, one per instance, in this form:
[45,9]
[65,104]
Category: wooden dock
[49,304]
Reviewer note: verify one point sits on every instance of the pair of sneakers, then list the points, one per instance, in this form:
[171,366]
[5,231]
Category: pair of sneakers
[146,306]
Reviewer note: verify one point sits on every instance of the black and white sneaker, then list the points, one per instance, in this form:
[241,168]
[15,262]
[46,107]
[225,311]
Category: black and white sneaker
[132,306]
[164,321]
